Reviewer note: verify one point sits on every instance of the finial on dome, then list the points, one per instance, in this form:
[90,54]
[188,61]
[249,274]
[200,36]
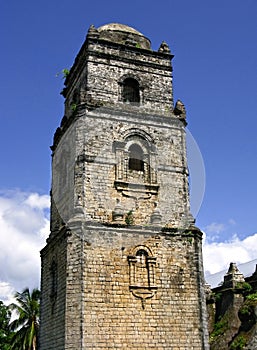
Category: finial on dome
[164,48]
[92,32]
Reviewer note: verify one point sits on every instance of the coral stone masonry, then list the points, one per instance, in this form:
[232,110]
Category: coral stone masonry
[122,267]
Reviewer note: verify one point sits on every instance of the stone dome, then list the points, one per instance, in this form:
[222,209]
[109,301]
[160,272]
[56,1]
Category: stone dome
[123,34]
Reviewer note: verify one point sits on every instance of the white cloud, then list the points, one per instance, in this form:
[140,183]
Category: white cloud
[24,226]
[6,292]
[215,227]
[35,200]
[217,256]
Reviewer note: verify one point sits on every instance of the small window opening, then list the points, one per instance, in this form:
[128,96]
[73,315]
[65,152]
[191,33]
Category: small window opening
[136,158]
[142,257]
[53,274]
[131,90]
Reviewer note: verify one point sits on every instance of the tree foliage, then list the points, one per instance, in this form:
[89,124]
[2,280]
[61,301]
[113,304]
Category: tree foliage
[26,326]
[5,333]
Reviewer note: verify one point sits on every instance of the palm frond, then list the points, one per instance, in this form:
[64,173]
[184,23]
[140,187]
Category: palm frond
[27,324]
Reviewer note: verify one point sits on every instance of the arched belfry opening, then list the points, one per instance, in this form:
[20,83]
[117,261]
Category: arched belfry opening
[136,162]
[130,91]
[136,158]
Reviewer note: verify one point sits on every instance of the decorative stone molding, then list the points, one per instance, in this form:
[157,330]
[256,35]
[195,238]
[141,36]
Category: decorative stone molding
[138,183]
[118,212]
[156,216]
[164,48]
[142,274]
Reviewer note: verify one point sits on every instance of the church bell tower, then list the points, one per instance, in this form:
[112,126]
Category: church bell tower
[122,267]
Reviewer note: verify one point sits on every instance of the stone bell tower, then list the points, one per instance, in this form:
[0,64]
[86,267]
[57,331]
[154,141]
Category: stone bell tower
[122,267]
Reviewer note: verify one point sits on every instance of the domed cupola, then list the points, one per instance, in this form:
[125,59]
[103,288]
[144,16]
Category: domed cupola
[123,34]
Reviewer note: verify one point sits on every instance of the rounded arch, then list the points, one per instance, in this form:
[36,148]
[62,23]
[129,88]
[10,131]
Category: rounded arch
[142,248]
[131,75]
[137,143]
[135,135]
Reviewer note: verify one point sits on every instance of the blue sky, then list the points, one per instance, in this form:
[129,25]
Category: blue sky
[215,75]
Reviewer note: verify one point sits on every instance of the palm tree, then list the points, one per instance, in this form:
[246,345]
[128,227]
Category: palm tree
[26,326]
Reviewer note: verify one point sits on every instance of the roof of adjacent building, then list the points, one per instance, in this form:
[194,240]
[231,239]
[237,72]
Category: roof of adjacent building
[247,270]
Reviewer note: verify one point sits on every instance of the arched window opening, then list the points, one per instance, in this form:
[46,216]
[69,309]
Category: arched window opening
[136,158]
[142,271]
[141,256]
[131,90]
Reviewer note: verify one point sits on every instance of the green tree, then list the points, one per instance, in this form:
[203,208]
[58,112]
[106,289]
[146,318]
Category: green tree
[26,326]
[5,333]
